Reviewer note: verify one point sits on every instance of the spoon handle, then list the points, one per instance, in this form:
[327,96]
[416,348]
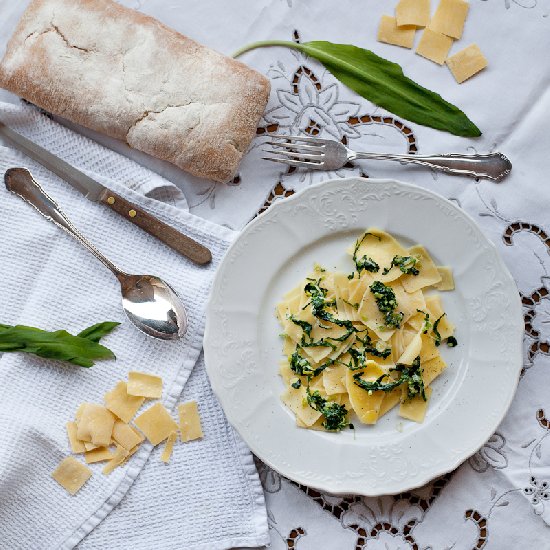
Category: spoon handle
[21,182]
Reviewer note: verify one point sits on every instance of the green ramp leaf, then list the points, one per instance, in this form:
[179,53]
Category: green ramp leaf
[81,350]
[383,83]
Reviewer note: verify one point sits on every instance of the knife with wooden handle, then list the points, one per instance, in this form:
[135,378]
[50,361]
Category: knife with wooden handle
[96,192]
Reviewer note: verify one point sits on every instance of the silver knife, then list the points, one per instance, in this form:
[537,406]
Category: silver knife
[96,192]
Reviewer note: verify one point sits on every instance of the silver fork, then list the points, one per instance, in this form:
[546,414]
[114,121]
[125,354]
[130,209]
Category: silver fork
[327,154]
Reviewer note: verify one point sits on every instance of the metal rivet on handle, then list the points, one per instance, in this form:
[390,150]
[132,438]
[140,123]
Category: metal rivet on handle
[111,200]
[132,213]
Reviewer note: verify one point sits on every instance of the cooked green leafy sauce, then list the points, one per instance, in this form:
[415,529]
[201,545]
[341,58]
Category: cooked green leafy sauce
[407,264]
[375,350]
[427,325]
[437,336]
[335,415]
[300,365]
[452,342]
[387,303]
[408,374]
[364,263]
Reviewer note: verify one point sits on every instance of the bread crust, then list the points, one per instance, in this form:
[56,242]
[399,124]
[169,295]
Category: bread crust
[125,74]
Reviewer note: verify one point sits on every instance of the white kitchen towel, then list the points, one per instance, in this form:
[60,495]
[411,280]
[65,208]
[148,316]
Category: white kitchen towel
[50,281]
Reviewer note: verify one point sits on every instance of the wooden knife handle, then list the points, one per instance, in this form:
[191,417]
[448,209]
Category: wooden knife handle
[168,235]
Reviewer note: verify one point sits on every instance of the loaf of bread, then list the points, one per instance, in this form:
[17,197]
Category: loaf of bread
[127,75]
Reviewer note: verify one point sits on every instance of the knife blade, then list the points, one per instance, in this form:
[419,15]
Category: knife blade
[94,191]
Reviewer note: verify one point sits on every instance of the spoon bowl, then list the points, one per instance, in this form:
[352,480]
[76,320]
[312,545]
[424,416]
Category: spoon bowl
[153,306]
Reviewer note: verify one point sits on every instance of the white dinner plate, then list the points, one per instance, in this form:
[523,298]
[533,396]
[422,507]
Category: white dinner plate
[243,348]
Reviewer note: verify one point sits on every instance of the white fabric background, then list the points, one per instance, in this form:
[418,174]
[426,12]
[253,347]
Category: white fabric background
[504,484]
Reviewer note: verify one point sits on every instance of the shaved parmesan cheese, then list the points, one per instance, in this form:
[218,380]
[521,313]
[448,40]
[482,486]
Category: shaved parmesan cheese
[429,349]
[447,281]
[287,374]
[382,248]
[390,400]
[71,474]
[142,384]
[294,331]
[449,17]
[390,33]
[190,421]
[95,425]
[168,448]
[416,322]
[132,451]
[415,408]
[432,369]
[76,445]
[366,404]
[412,351]
[98,455]
[288,346]
[334,378]
[126,436]
[156,423]
[78,413]
[296,401]
[373,317]
[120,403]
[466,63]
[412,12]
[435,308]
[408,302]
[428,276]
[434,46]
[358,287]
[119,457]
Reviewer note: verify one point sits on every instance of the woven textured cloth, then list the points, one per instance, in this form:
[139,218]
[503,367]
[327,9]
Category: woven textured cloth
[50,281]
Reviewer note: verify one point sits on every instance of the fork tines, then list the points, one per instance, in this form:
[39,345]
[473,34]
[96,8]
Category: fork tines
[296,151]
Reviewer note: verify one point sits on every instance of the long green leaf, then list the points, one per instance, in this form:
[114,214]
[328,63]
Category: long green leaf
[383,83]
[61,345]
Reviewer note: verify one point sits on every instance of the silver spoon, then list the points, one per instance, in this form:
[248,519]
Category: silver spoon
[149,302]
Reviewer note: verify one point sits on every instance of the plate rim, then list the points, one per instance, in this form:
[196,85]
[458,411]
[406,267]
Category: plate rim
[331,486]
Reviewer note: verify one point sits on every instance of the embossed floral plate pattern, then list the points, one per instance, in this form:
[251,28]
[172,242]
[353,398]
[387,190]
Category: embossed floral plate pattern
[243,349]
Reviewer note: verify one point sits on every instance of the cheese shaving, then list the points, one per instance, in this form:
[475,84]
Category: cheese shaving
[71,474]
[156,423]
[168,448]
[120,403]
[190,421]
[413,12]
[434,46]
[126,436]
[449,17]
[95,425]
[98,455]
[466,63]
[118,458]
[76,445]
[144,385]
[390,33]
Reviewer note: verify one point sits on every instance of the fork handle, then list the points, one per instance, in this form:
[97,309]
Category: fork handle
[493,166]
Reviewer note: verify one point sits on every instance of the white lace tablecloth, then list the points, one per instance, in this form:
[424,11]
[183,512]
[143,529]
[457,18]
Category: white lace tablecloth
[500,498]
